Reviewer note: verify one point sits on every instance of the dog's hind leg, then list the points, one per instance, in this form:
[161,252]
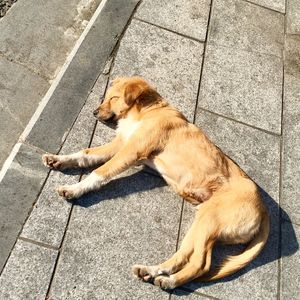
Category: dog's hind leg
[198,264]
[84,158]
[179,259]
[175,263]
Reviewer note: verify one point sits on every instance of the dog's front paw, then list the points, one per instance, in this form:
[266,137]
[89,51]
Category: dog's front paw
[52,161]
[68,192]
[165,282]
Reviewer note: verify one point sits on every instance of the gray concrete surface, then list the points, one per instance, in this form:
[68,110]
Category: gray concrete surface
[36,37]
[241,86]
[25,176]
[30,264]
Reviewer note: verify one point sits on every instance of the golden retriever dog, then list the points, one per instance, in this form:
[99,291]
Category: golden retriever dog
[150,131]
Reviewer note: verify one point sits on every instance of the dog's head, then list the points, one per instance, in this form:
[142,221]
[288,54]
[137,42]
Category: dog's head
[124,93]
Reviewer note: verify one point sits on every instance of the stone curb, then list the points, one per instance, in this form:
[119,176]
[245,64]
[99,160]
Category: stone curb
[23,175]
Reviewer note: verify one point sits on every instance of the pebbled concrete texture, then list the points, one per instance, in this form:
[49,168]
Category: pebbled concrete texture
[13,99]
[293,17]
[28,272]
[18,86]
[185,17]
[290,263]
[57,25]
[19,189]
[35,38]
[9,130]
[291,130]
[179,294]
[107,235]
[242,25]
[170,62]
[243,85]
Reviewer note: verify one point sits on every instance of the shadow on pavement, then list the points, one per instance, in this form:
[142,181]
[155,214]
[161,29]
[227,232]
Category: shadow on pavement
[272,251]
[121,187]
[141,181]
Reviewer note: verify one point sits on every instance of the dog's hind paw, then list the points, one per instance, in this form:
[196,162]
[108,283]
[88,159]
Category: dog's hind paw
[165,282]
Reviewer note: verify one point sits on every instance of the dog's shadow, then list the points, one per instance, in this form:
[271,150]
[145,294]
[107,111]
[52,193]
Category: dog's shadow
[133,182]
[281,230]
[274,249]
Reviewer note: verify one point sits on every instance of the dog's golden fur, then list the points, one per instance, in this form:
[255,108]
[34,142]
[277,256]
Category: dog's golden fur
[151,131]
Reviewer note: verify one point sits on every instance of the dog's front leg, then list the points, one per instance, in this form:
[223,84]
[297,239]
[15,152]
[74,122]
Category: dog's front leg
[84,158]
[123,159]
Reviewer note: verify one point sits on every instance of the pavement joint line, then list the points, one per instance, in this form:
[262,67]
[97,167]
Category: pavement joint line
[51,90]
[117,45]
[203,59]
[2,54]
[179,225]
[239,122]
[37,149]
[265,7]
[38,243]
[170,30]
[280,217]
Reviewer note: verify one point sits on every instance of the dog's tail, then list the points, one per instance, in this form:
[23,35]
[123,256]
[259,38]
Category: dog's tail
[234,263]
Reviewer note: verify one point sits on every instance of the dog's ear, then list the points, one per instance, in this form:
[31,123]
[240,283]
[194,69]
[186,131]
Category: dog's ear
[132,92]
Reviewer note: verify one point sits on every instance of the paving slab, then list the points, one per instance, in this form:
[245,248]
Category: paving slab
[9,132]
[291,129]
[278,5]
[170,62]
[48,219]
[243,85]
[242,25]
[23,100]
[20,93]
[56,26]
[293,17]
[258,154]
[134,219]
[185,294]
[290,285]
[186,17]
[28,272]
[19,190]
[71,93]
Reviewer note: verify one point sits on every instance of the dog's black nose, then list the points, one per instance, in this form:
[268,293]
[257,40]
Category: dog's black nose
[95,112]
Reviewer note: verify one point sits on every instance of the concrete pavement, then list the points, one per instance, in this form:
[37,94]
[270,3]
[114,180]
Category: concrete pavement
[36,37]
[232,67]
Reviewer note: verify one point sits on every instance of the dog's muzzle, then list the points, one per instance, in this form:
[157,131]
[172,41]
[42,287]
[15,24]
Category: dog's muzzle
[110,122]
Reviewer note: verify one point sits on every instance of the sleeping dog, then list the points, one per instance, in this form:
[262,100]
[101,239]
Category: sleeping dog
[150,131]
